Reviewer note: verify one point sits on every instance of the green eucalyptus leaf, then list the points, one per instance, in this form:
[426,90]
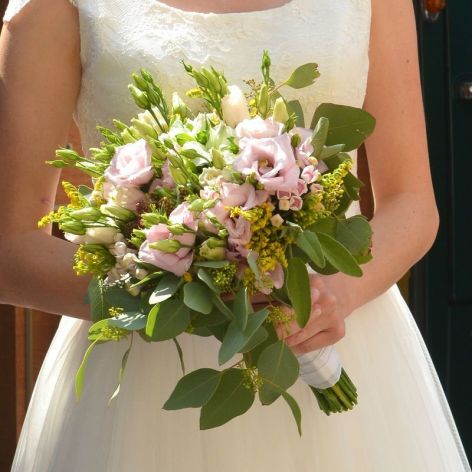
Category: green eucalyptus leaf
[303,76]
[295,409]
[251,260]
[98,305]
[124,361]
[96,330]
[355,234]
[242,307]
[326,225]
[80,375]
[298,287]
[235,339]
[221,306]
[166,287]
[309,243]
[172,318]
[257,338]
[347,125]
[294,106]
[198,297]
[319,136]
[205,277]
[118,297]
[194,389]
[132,321]
[338,256]
[279,369]
[151,320]
[230,399]
[329,151]
[211,264]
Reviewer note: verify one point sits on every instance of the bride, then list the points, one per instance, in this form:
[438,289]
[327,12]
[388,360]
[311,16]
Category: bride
[59,59]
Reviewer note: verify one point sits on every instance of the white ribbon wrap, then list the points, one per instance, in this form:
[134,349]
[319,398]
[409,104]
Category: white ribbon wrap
[321,368]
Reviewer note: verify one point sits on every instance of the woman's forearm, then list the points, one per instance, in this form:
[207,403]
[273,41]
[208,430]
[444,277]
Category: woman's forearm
[36,272]
[404,229]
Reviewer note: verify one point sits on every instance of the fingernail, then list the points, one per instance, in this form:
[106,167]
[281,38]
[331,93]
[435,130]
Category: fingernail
[317,312]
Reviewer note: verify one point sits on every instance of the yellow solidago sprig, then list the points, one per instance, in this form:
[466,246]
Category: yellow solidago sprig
[77,202]
[333,185]
[93,259]
[223,277]
[267,240]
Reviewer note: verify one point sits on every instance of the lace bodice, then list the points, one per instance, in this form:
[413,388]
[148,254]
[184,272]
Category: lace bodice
[121,36]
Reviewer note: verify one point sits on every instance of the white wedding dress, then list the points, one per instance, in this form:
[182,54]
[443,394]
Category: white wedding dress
[402,422]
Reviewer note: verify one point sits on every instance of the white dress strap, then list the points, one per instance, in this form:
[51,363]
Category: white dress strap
[15,6]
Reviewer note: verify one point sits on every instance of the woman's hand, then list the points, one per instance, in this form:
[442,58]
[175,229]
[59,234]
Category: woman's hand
[326,324]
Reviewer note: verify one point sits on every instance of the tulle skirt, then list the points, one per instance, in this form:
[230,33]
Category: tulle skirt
[402,422]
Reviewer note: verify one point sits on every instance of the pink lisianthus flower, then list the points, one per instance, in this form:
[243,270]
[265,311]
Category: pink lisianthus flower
[258,128]
[244,196]
[239,229]
[180,261]
[310,174]
[272,162]
[131,165]
[305,148]
[166,181]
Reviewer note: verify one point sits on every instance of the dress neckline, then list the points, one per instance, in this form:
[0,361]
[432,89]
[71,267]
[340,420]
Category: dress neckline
[180,11]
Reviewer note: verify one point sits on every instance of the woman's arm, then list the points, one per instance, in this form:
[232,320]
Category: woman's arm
[406,218]
[39,82]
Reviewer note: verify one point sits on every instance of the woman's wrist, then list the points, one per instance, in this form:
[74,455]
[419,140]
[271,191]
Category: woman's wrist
[342,289]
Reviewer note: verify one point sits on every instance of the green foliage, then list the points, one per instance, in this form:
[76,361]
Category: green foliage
[232,398]
[235,339]
[166,287]
[194,389]
[347,125]
[303,76]
[338,256]
[198,297]
[298,287]
[278,368]
[167,320]
[309,243]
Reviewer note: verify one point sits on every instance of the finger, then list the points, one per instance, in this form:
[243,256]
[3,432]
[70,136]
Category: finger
[316,324]
[315,295]
[321,339]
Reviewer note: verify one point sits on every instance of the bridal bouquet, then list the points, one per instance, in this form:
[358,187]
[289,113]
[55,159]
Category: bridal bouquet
[191,214]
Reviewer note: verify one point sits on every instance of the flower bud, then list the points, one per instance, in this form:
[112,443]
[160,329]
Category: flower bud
[280,113]
[277,221]
[179,107]
[170,246]
[234,106]
[101,235]
[72,226]
[284,204]
[213,249]
[217,158]
[118,212]
[86,214]
[139,97]
[177,175]
[143,128]
[263,101]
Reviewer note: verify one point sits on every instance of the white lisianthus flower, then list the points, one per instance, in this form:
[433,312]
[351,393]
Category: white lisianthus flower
[100,235]
[234,106]
[97,235]
[211,176]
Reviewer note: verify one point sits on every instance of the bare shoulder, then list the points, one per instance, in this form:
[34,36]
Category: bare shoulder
[54,18]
